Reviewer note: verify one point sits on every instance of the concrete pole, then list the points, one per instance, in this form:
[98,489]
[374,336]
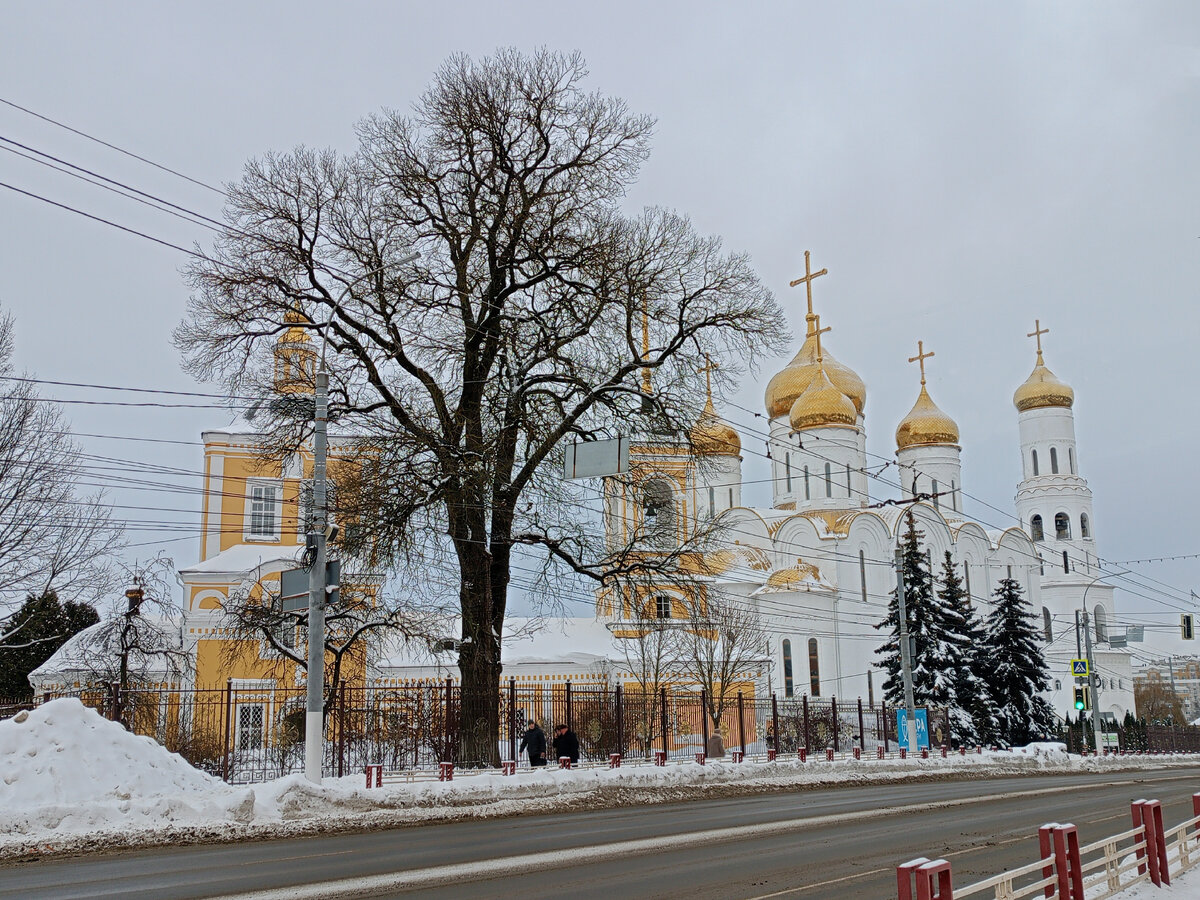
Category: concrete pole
[1092,681]
[905,655]
[314,720]
[1174,693]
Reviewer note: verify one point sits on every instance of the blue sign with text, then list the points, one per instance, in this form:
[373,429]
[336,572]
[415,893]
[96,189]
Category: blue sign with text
[922,728]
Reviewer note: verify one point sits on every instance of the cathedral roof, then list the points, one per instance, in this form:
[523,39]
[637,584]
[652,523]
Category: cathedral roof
[786,386]
[1043,389]
[925,425]
[823,405]
[712,437]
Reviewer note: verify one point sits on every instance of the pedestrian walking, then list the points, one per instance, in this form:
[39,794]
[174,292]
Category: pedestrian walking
[534,741]
[566,743]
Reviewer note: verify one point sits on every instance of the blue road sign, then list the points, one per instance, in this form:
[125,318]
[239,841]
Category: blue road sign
[922,728]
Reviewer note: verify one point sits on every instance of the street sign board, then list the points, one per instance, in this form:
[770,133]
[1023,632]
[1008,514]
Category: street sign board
[1079,668]
[1135,634]
[593,459]
[922,728]
[294,587]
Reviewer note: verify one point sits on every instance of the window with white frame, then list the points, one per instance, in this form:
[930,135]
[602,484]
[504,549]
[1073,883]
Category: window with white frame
[262,510]
[251,721]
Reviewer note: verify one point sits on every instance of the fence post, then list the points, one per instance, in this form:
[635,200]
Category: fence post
[1046,846]
[342,728]
[1067,862]
[620,697]
[741,724]
[446,718]
[775,721]
[569,723]
[663,714]
[228,730]
[837,726]
[512,718]
[807,742]
[904,876]
[949,737]
[862,732]
[884,714]
[704,719]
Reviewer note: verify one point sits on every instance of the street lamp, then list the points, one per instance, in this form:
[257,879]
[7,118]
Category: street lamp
[314,719]
[1093,685]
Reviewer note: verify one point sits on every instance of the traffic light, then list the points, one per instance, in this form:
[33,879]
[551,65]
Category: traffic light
[1080,702]
[1185,627]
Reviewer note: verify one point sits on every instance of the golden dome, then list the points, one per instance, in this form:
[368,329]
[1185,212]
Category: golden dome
[1042,389]
[792,381]
[925,424]
[712,437]
[822,405]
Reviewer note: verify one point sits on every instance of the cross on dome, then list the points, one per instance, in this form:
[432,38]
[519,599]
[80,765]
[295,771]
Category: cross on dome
[708,368]
[816,332]
[920,358]
[807,281]
[1037,332]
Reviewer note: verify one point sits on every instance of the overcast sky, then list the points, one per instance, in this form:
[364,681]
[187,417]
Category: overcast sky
[960,171]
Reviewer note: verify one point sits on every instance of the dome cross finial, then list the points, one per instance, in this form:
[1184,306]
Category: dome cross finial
[1037,332]
[920,358]
[816,332]
[807,281]
[708,368]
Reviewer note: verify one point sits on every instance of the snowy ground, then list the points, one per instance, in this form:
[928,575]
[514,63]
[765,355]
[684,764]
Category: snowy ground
[73,781]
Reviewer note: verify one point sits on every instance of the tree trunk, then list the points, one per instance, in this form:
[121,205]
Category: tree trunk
[479,663]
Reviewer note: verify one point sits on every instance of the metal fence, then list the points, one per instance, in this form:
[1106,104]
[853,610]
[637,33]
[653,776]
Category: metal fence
[248,733]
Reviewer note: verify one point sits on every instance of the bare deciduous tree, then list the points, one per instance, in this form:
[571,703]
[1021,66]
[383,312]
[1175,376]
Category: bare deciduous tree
[527,321]
[53,538]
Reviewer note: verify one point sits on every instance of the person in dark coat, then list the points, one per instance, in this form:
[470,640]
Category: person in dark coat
[535,742]
[566,743]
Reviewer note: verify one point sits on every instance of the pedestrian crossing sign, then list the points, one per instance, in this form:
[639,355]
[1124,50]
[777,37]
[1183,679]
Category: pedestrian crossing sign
[1079,668]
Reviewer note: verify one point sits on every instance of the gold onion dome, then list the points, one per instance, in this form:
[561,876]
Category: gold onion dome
[822,405]
[1043,389]
[712,437]
[294,334]
[794,378]
[925,424]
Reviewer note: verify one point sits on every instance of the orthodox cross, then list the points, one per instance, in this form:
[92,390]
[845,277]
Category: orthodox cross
[920,358]
[1037,332]
[817,331]
[807,281]
[708,368]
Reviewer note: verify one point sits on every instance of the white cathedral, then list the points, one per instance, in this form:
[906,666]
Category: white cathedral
[817,564]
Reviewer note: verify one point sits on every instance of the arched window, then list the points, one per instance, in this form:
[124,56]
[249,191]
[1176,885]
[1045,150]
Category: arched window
[1057,685]
[1047,628]
[1101,624]
[848,488]
[936,499]
[967,578]
[807,494]
[828,481]
[814,669]
[1062,527]
[788,688]
[1035,529]
[953,496]
[1085,527]
[658,512]
[787,469]
[1053,461]
[1071,458]
[662,606]
[862,573]
[1035,465]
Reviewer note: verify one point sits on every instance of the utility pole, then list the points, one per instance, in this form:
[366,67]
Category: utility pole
[314,720]
[1093,685]
[910,718]
[1174,693]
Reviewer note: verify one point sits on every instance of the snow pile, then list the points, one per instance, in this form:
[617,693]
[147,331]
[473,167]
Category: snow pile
[1048,751]
[67,769]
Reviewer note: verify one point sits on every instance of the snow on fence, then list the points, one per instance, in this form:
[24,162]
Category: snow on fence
[1067,871]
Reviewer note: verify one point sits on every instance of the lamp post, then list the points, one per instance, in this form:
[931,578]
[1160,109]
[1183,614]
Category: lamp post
[314,718]
[1093,684]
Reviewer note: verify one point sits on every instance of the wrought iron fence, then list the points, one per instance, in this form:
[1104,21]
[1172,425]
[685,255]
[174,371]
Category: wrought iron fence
[247,733]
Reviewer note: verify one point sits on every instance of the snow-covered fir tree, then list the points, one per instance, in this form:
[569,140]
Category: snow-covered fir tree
[925,624]
[1016,668]
[972,710]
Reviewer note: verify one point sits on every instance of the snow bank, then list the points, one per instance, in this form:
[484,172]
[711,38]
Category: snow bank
[73,780]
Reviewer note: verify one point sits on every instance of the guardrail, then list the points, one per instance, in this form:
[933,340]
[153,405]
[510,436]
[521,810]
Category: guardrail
[1147,852]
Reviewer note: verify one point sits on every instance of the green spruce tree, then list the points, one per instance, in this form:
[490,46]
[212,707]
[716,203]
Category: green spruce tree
[1016,668]
[33,634]
[924,619]
[972,710]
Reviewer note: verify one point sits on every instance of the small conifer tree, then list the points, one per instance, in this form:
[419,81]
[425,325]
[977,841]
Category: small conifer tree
[1016,668]
[923,614]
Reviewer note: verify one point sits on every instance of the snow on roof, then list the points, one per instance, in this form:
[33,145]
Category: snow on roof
[243,558]
[94,648]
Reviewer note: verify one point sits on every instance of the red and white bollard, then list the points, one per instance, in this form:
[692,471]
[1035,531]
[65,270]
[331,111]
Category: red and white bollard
[446,771]
[962,751]
[802,753]
[924,753]
[699,759]
[660,757]
[903,753]
[736,755]
[943,751]
[858,752]
[614,760]
[978,750]
[564,762]
[770,754]
[879,753]
[374,775]
[828,754]
[508,767]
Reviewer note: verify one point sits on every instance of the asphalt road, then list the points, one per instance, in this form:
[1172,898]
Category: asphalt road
[842,842]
